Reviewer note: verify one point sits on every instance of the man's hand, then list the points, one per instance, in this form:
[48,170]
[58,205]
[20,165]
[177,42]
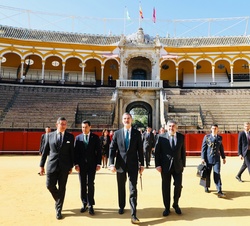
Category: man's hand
[42,171]
[70,171]
[77,168]
[98,167]
[112,169]
[141,169]
[159,169]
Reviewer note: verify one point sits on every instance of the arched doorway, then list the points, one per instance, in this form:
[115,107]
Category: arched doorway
[142,105]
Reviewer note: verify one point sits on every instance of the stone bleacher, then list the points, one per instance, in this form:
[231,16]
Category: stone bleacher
[39,106]
[226,107]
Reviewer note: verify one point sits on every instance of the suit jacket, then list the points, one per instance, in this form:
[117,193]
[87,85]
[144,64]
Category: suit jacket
[148,141]
[126,160]
[212,149]
[165,156]
[62,158]
[42,142]
[88,157]
[242,144]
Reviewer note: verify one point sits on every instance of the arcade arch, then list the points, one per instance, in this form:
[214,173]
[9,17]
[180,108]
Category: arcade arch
[143,105]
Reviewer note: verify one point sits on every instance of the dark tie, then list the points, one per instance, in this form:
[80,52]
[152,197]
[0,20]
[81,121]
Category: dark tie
[127,140]
[86,140]
[59,141]
[172,142]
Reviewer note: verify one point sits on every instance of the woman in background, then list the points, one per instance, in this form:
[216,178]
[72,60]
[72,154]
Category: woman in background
[105,142]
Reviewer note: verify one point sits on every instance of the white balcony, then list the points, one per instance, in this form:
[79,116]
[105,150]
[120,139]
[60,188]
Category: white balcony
[139,84]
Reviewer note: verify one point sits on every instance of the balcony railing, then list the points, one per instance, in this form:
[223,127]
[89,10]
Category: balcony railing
[139,84]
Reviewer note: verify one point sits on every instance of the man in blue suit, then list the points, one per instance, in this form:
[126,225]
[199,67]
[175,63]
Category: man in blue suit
[59,147]
[87,161]
[212,151]
[126,147]
[244,150]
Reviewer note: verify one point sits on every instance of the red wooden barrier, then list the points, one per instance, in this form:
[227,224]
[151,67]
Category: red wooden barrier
[24,142]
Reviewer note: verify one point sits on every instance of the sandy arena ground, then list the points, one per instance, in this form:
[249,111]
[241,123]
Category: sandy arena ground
[24,199]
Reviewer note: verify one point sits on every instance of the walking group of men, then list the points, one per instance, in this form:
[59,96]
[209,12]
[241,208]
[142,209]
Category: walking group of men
[126,159]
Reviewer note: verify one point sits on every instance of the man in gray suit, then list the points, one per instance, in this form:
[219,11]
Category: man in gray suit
[244,150]
[126,148]
[59,147]
[170,159]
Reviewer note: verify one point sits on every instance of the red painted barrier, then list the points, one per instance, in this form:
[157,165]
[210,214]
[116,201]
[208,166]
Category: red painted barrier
[23,142]
[194,143]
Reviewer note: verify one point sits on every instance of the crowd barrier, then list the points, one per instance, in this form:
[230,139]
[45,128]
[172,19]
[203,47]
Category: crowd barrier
[28,142]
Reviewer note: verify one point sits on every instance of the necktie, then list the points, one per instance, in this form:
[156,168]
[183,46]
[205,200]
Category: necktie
[86,139]
[59,140]
[172,142]
[127,140]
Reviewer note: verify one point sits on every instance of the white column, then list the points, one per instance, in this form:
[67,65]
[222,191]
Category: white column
[43,66]
[176,75]
[63,72]
[248,72]
[21,72]
[102,70]
[83,71]
[121,64]
[195,75]
[213,78]
[157,120]
[232,74]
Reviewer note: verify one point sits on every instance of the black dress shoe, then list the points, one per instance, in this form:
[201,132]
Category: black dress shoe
[84,208]
[58,215]
[166,212]
[207,190]
[121,211]
[177,209]
[239,179]
[91,210]
[135,220]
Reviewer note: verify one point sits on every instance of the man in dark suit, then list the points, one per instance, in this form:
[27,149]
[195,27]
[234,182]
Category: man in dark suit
[59,147]
[244,150]
[88,158]
[170,160]
[43,138]
[212,151]
[148,144]
[126,148]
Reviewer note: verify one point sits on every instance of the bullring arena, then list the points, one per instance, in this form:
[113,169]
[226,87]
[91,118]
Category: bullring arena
[196,81]
[25,199]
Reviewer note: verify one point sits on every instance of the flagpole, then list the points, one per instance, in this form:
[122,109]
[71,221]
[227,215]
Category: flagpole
[124,23]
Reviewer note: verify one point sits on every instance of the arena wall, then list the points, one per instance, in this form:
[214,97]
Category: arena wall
[27,142]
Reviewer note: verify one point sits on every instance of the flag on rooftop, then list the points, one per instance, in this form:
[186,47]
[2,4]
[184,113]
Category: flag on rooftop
[127,14]
[154,15]
[141,13]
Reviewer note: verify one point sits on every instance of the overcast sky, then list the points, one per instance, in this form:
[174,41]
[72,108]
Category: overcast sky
[173,18]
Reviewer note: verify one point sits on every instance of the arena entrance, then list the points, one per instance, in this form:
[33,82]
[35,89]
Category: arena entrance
[141,112]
